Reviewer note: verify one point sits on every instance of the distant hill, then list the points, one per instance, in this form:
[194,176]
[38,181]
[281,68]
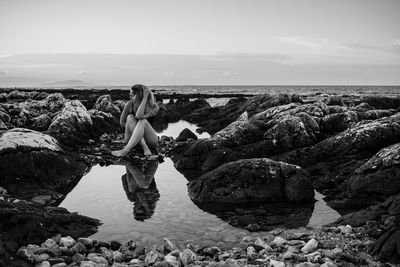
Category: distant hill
[66,83]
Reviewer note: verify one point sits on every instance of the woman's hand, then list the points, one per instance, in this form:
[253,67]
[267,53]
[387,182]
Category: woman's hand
[146,91]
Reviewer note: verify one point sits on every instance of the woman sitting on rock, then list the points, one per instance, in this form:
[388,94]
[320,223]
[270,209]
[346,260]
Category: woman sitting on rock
[136,117]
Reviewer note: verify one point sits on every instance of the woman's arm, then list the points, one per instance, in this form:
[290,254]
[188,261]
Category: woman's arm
[125,113]
[140,112]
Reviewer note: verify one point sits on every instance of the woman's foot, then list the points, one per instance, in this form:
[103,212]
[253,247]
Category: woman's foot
[119,153]
[147,152]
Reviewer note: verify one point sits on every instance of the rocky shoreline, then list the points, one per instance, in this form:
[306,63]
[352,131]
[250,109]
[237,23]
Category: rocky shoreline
[266,148]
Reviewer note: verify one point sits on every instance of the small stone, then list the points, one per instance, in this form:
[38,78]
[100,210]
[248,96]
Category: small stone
[279,241]
[130,245]
[49,244]
[115,245]
[251,253]
[168,245]
[211,251]
[306,264]
[135,261]
[311,245]
[87,242]
[57,238]
[333,253]
[97,258]
[43,264]
[56,261]
[118,256]
[61,264]
[101,244]
[328,264]
[151,257]
[78,258]
[345,229]
[288,255]
[172,260]
[247,239]
[79,248]
[67,241]
[187,256]
[107,254]
[274,263]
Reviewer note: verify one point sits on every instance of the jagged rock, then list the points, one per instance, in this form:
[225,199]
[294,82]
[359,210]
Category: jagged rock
[334,100]
[29,223]
[185,135]
[73,125]
[379,175]
[104,103]
[310,246]
[18,95]
[4,116]
[41,123]
[213,119]
[3,126]
[337,122]
[102,122]
[252,180]
[246,139]
[333,161]
[363,107]
[187,257]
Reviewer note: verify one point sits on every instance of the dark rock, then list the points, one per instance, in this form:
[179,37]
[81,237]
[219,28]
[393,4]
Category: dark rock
[337,122]
[334,160]
[18,95]
[363,107]
[4,116]
[30,223]
[41,123]
[334,100]
[29,159]
[73,125]
[185,135]
[3,126]
[115,245]
[102,122]
[252,180]
[382,102]
[379,175]
[104,103]
[3,97]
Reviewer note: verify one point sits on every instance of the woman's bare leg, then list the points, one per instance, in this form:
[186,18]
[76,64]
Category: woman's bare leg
[129,128]
[143,130]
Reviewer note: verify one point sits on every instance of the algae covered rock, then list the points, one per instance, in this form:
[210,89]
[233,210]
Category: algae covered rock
[252,180]
[73,125]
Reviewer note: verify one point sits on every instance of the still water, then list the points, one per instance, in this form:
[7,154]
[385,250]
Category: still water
[150,203]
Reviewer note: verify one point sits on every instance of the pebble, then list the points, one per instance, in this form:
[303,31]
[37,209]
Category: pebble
[87,242]
[187,256]
[251,253]
[274,263]
[310,246]
[43,264]
[345,229]
[97,258]
[172,260]
[168,245]
[151,258]
[67,242]
[279,241]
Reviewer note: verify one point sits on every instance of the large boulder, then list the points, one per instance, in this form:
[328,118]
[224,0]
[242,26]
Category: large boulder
[104,103]
[246,139]
[33,159]
[333,161]
[73,125]
[253,180]
[214,119]
[337,122]
[379,175]
[103,122]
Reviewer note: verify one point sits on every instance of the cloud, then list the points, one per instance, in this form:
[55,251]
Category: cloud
[361,46]
[305,41]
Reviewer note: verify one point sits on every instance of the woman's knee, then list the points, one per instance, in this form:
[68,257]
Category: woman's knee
[131,119]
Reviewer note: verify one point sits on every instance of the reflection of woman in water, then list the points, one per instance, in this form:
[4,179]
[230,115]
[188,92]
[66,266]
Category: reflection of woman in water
[141,189]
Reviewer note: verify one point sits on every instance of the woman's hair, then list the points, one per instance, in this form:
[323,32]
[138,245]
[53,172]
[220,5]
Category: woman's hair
[151,101]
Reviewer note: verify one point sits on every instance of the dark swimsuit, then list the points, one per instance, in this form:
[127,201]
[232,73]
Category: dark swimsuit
[149,119]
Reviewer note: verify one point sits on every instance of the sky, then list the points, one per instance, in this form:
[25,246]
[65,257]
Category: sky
[222,42]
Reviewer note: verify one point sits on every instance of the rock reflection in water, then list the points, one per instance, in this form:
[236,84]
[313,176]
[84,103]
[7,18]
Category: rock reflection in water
[262,217]
[140,188]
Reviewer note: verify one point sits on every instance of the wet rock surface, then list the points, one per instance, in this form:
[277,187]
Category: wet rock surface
[252,180]
[348,146]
